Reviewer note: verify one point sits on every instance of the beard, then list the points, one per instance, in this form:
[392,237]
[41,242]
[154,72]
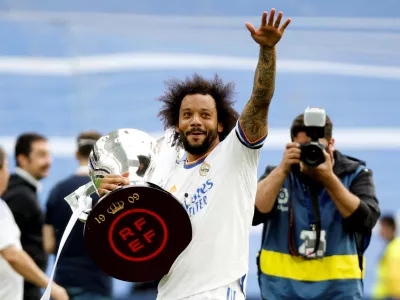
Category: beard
[41,173]
[203,148]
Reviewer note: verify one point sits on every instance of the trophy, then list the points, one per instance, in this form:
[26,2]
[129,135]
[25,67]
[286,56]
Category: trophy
[135,232]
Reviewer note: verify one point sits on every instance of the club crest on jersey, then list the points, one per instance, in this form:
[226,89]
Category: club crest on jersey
[204,168]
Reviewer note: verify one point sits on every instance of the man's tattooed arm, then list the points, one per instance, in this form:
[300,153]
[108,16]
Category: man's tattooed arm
[254,118]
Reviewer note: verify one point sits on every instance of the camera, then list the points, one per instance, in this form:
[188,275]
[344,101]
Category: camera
[312,153]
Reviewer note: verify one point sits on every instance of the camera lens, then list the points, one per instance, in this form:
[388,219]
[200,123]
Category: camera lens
[312,154]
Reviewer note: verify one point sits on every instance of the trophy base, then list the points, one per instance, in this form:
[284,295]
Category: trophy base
[135,233]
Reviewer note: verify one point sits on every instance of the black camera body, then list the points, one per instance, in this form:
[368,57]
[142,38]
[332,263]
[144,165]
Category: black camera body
[312,153]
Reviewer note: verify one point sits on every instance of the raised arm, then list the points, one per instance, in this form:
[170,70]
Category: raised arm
[254,118]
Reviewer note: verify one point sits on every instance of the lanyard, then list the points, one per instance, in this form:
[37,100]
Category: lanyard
[310,212]
[314,217]
[315,212]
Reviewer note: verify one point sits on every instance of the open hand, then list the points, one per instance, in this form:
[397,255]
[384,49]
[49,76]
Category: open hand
[268,34]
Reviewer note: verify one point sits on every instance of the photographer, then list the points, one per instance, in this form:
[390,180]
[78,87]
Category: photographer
[318,208]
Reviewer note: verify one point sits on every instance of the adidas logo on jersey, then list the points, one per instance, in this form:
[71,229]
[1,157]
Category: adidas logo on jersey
[173,189]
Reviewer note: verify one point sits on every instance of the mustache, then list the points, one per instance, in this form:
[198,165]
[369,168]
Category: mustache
[196,130]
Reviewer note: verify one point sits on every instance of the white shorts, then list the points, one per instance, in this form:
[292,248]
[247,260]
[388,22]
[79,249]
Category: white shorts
[232,291]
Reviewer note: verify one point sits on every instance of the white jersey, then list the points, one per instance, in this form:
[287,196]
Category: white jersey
[218,192]
[11,283]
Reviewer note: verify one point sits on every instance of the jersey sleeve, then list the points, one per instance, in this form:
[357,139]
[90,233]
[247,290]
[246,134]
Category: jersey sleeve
[241,158]
[9,231]
[245,153]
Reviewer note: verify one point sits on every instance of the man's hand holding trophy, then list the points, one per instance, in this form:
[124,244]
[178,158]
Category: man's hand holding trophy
[138,226]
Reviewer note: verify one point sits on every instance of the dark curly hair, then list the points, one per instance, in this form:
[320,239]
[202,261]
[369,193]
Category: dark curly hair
[222,93]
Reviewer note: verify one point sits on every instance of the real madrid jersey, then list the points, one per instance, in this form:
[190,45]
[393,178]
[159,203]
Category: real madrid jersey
[218,192]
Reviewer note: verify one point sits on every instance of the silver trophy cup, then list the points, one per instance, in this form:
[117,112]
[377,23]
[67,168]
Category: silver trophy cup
[124,150]
[135,232]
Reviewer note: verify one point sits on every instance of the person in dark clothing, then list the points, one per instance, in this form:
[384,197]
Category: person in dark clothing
[317,222]
[33,162]
[75,270]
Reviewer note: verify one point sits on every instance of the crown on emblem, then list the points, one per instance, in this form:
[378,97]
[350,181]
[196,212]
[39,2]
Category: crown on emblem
[115,207]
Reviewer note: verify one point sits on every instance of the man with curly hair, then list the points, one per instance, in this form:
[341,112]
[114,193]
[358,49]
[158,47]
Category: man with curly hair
[217,180]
